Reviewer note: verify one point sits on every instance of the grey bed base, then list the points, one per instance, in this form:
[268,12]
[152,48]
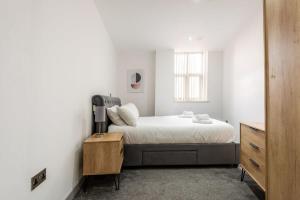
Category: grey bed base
[169,154]
[180,154]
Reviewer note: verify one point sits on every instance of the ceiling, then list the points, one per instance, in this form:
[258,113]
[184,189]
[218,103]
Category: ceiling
[176,24]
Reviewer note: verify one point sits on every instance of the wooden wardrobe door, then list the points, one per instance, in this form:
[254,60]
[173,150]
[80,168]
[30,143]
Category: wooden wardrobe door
[283,98]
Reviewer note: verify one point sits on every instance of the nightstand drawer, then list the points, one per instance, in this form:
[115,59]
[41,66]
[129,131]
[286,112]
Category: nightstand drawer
[122,152]
[103,154]
[122,144]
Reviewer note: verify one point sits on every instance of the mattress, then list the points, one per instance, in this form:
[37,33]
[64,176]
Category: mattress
[173,129]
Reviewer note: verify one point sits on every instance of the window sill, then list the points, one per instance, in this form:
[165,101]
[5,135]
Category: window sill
[207,101]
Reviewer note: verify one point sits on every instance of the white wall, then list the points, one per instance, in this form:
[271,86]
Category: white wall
[137,60]
[54,55]
[243,86]
[164,86]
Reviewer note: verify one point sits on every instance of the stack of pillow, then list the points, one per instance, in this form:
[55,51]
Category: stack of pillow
[124,115]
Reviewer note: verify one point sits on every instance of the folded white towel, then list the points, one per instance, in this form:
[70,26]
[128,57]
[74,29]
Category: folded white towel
[185,116]
[202,117]
[187,113]
[203,121]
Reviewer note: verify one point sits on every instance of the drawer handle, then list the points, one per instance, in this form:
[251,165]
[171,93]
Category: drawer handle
[254,146]
[254,163]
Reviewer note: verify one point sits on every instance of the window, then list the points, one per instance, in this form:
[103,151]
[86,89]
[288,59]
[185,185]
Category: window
[190,73]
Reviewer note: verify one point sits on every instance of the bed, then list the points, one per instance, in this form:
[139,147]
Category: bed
[171,140]
[174,130]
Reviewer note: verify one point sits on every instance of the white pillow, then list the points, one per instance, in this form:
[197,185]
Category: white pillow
[129,113]
[114,116]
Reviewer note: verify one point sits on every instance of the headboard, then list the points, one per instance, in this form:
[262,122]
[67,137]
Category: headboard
[107,102]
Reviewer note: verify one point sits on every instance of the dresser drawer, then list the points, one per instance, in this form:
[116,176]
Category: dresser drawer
[254,150]
[255,136]
[255,168]
[253,153]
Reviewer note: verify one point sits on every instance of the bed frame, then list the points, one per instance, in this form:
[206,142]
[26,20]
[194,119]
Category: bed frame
[169,154]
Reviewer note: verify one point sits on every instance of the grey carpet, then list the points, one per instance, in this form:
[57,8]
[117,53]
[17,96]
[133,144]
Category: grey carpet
[173,184]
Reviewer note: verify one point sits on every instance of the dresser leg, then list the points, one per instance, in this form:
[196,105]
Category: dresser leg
[117,181]
[243,174]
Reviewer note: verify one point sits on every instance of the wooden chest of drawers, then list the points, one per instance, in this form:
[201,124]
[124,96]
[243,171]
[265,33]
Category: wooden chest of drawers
[253,152]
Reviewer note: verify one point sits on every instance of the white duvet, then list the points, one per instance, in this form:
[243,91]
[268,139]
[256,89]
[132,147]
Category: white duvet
[173,129]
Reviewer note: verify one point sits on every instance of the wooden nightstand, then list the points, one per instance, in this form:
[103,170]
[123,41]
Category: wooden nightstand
[103,155]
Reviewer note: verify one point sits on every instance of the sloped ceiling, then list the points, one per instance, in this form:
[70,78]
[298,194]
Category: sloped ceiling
[176,24]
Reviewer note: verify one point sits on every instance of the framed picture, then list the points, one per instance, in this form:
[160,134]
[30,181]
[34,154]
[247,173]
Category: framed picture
[135,81]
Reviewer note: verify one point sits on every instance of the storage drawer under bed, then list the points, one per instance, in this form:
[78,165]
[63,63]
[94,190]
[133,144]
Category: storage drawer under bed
[169,158]
[180,154]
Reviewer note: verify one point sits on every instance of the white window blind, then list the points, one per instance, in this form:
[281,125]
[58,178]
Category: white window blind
[190,73]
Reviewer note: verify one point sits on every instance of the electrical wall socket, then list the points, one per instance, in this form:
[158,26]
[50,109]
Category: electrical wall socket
[38,179]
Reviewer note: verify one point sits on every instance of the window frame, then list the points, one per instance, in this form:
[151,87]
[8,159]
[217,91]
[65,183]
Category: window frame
[186,76]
